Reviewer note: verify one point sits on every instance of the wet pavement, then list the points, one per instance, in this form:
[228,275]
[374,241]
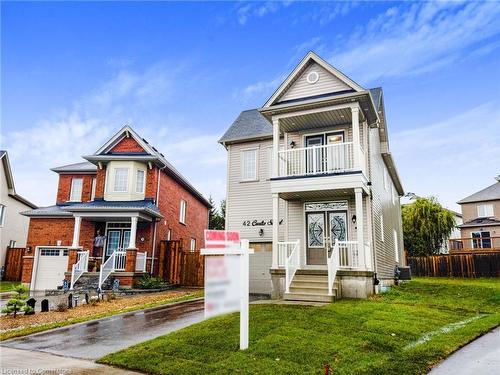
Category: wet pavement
[94,339]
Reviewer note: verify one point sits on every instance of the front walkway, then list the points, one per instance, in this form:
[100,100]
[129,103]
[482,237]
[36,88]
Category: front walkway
[481,356]
[17,361]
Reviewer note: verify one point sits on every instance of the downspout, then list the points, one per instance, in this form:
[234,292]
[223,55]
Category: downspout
[156,222]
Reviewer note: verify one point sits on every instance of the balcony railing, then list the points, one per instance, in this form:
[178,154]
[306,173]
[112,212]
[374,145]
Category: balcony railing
[475,244]
[338,157]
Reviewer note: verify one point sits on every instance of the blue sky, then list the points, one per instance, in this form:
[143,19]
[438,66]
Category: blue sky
[73,73]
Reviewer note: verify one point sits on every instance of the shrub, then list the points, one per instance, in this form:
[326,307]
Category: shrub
[94,301]
[17,302]
[149,282]
[61,307]
[28,310]
[111,297]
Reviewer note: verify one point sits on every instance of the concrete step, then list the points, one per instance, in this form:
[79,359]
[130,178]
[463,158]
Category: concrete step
[316,283]
[313,278]
[310,289]
[308,297]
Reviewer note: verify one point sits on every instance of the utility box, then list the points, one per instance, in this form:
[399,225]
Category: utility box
[404,273]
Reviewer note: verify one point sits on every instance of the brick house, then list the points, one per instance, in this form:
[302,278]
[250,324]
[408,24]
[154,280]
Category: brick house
[110,215]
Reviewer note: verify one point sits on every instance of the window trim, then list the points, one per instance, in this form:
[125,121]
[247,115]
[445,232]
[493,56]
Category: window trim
[396,244]
[71,198]
[143,187]
[93,188]
[2,214]
[386,179]
[242,152]
[382,231]
[182,211]
[115,170]
[487,213]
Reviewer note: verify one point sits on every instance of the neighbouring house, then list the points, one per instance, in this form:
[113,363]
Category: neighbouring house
[13,225]
[481,221]
[312,184]
[110,215]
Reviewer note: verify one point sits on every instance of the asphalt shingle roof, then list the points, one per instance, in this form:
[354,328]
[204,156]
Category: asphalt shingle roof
[76,167]
[488,194]
[55,210]
[480,222]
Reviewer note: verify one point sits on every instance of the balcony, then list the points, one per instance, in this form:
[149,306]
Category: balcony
[319,160]
[474,244]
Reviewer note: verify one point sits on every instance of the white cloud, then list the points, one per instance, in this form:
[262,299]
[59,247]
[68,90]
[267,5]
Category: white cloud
[140,99]
[417,38]
[258,9]
[453,158]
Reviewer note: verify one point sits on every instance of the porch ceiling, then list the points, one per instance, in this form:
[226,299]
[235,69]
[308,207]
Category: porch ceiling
[318,194]
[316,120]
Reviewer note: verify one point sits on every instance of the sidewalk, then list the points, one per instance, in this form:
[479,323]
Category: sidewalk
[481,356]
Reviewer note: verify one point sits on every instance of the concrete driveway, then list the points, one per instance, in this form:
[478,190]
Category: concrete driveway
[82,343]
[481,357]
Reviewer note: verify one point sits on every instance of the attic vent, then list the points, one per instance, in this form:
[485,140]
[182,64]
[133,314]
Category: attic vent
[312,77]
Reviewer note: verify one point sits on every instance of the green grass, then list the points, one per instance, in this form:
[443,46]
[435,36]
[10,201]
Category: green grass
[44,327]
[353,336]
[7,286]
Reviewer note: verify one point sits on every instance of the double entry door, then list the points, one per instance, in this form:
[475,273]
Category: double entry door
[117,238]
[322,228]
[322,159]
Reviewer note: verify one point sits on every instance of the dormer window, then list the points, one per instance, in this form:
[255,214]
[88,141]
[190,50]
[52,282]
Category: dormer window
[121,180]
[139,182]
[76,190]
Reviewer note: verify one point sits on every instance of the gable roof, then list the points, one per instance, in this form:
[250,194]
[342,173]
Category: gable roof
[151,154]
[490,193]
[4,157]
[311,57]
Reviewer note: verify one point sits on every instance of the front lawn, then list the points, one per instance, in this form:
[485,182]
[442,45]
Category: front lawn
[405,331]
[7,286]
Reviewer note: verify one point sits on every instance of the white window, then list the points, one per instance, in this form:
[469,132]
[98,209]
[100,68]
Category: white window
[182,212]
[121,180]
[382,234]
[92,193]
[193,244]
[386,180]
[139,183]
[249,165]
[485,210]
[76,190]
[2,215]
[396,247]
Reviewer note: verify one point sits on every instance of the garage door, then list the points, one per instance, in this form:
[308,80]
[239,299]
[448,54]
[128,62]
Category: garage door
[260,278]
[50,268]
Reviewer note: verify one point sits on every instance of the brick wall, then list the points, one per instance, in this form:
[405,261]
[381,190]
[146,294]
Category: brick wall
[100,183]
[127,145]
[64,188]
[46,232]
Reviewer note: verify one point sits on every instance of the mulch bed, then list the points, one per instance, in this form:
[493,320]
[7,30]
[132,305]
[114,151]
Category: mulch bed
[116,305]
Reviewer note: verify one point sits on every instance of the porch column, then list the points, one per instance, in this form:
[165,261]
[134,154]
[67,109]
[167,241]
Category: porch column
[358,194]
[276,223]
[356,137]
[76,232]
[133,232]
[276,147]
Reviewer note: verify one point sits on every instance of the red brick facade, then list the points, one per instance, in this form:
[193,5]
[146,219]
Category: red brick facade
[48,231]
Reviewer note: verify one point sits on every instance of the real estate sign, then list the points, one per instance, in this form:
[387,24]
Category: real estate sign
[227,277]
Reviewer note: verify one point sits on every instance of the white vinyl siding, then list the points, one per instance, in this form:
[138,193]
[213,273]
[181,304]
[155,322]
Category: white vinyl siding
[182,212]
[396,249]
[327,83]
[76,190]
[139,182]
[485,210]
[92,192]
[382,234]
[249,165]
[386,179]
[121,180]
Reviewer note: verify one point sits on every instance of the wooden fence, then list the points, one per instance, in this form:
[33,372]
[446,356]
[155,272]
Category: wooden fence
[13,264]
[180,267]
[463,264]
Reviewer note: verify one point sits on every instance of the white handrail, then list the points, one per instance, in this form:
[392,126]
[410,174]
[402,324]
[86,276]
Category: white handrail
[348,254]
[332,261]
[337,157]
[292,264]
[140,262]
[115,262]
[80,267]
[284,250]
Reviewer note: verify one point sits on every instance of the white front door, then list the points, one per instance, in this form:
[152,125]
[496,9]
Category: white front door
[52,263]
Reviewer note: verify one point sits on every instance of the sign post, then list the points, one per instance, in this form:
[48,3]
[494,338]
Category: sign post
[227,277]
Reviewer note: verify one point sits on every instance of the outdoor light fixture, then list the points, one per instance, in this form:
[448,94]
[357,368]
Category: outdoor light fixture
[261,232]
[292,144]
[353,219]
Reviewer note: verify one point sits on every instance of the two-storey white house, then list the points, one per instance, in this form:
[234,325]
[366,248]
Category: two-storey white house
[313,186]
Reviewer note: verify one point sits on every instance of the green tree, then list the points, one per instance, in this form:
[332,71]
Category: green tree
[216,218]
[17,302]
[426,224]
